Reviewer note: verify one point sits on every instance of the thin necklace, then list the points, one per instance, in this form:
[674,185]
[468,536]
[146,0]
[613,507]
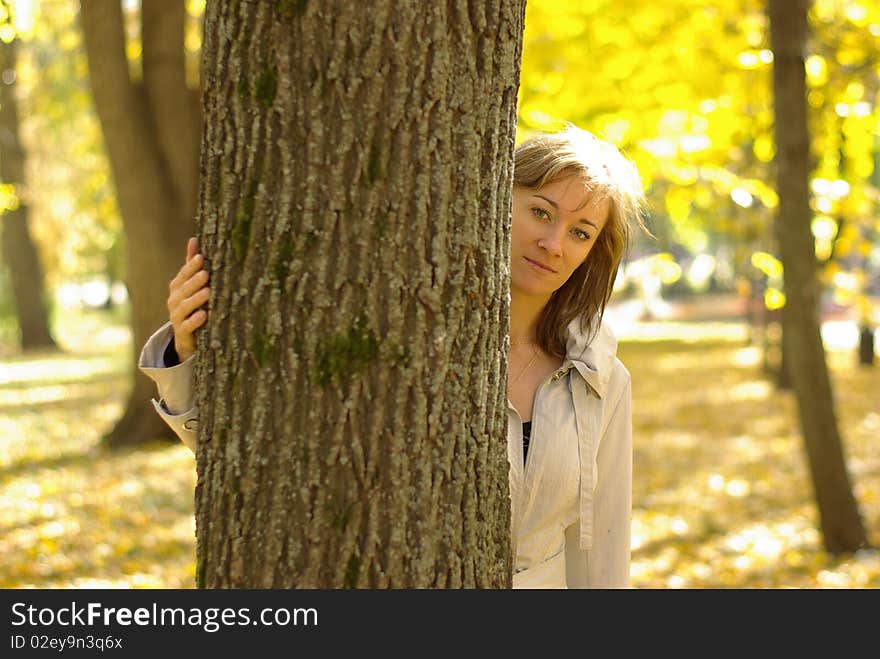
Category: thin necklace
[522,342]
[526,367]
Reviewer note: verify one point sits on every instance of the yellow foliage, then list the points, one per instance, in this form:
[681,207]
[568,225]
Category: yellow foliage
[774,298]
[764,148]
[678,203]
[195,7]
[824,227]
[767,263]
[823,248]
[666,268]
[817,70]
[9,200]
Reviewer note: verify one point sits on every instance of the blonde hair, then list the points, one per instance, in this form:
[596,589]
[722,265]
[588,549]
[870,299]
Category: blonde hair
[606,172]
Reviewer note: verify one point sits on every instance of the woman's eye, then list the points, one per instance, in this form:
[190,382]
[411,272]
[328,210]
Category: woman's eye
[581,234]
[540,213]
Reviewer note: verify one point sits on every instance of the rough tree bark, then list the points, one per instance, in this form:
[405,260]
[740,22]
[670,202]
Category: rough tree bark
[152,128]
[354,207]
[839,515]
[19,251]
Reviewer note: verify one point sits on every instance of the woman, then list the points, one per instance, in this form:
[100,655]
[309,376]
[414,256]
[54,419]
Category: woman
[576,202]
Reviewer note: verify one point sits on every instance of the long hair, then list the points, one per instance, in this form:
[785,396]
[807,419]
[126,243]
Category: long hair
[605,173]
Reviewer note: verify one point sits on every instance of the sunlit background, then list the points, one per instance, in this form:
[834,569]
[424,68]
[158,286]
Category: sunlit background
[722,492]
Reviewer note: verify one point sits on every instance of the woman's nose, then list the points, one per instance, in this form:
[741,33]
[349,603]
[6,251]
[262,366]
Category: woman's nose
[551,241]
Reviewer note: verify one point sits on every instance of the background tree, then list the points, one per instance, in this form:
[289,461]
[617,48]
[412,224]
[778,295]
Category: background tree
[839,516]
[151,122]
[19,251]
[354,203]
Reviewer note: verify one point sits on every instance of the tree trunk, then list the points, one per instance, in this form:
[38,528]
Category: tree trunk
[151,128]
[19,251]
[784,374]
[354,208]
[840,520]
[866,345]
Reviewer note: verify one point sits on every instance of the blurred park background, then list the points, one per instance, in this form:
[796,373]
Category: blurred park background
[723,496]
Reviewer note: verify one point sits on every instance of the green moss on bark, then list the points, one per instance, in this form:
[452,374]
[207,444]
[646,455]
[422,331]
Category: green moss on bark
[352,572]
[398,354]
[283,259]
[312,238]
[291,8]
[201,566]
[243,87]
[263,345]
[345,353]
[241,232]
[265,86]
[342,516]
[375,166]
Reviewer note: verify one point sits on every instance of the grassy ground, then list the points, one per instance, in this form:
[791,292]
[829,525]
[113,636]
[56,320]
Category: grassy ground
[722,495]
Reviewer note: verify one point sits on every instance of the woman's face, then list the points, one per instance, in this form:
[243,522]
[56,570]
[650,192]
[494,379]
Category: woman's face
[553,230]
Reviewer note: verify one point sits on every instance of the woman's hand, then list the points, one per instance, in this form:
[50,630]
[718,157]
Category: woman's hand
[186,293]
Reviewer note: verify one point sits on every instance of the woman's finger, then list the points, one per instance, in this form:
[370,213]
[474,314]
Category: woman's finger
[181,310]
[193,302]
[180,306]
[188,270]
[193,284]
[192,246]
[194,322]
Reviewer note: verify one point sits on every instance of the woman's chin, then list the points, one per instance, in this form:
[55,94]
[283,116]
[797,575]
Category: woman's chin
[532,289]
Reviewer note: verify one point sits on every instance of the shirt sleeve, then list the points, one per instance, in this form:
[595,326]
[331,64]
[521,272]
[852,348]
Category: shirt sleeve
[175,383]
[177,401]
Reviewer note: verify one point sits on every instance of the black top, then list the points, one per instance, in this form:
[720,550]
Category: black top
[170,357]
[527,431]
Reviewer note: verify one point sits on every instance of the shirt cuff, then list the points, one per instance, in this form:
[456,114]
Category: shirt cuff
[174,383]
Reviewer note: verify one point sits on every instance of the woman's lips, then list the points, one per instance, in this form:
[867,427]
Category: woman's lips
[538,266]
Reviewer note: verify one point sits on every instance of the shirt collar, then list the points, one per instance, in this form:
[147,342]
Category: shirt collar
[591,353]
